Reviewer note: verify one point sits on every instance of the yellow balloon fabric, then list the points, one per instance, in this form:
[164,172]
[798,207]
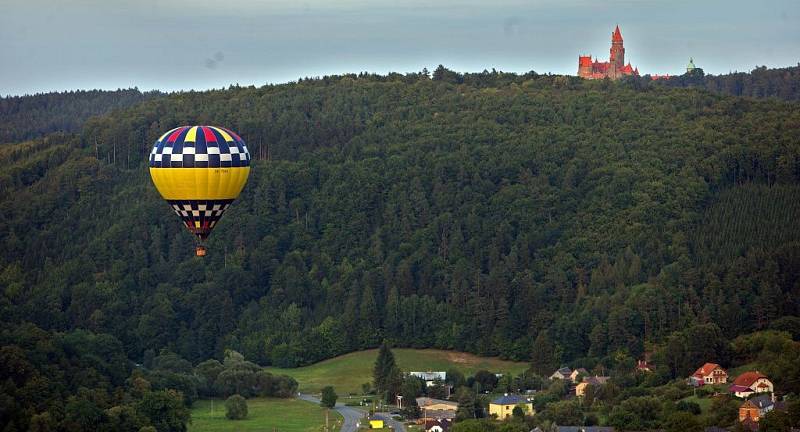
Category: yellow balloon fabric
[200,183]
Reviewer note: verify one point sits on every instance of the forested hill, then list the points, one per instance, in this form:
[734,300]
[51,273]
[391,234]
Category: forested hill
[32,116]
[761,82]
[521,216]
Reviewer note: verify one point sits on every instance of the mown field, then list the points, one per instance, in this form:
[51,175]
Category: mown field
[264,414]
[346,373]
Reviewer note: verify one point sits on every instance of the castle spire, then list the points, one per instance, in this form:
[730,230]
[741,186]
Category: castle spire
[617,36]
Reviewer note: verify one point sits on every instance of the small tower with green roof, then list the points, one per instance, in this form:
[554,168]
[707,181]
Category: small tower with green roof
[690,67]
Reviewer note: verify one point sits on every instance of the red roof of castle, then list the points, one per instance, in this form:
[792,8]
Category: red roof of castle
[585,60]
[748,378]
[601,67]
[617,36]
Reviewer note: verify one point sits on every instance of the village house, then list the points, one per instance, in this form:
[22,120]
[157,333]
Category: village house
[562,373]
[755,408]
[436,409]
[439,425]
[709,374]
[749,383]
[430,378]
[597,381]
[577,373]
[643,366]
[585,429]
[503,407]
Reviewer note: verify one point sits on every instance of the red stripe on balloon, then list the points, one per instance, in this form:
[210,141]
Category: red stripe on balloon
[210,137]
[176,134]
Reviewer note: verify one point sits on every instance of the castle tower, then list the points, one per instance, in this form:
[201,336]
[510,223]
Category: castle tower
[690,67]
[617,59]
[585,66]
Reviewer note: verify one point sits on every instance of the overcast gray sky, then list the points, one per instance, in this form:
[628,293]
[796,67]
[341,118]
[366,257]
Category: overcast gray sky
[181,44]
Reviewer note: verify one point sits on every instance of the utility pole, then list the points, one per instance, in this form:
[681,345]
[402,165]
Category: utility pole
[326,419]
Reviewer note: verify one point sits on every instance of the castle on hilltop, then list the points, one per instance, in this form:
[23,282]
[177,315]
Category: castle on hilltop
[615,68]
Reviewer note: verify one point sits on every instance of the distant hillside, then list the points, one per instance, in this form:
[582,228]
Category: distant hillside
[761,82]
[31,116]
[499,214]
[543,219]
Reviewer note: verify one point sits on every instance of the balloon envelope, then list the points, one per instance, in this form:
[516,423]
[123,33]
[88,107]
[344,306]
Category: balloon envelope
[199,170]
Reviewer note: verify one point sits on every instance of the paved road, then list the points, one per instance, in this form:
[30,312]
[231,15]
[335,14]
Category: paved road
[353,416]
[394,424]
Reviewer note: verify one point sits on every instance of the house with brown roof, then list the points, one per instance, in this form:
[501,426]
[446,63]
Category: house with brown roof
[597,381]
[751,382]
[437,408]
[709,374]
[562,373]
[577,373]
[756,408]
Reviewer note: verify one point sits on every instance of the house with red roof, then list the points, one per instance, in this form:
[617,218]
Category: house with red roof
[751,382]
[643,366]
[709,373]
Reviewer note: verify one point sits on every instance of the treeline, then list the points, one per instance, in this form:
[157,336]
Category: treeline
[761,82]
[82,381]
[78,381]
[215,379]
[31,116]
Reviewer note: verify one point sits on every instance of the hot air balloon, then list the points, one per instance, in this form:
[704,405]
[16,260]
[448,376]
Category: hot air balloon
[199,170]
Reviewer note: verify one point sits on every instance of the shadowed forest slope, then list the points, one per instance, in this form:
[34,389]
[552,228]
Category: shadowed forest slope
[490,213]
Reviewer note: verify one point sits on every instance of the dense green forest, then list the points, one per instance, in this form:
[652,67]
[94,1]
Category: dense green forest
[533,217]
[30,116]
[761,82]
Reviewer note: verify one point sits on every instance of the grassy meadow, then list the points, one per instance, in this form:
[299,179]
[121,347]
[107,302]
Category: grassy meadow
[346,373]
[264,415]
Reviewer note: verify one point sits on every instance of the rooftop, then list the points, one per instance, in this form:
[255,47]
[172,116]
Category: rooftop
[509,400]
[760,402]
[617,36]
[706,369]
[748,378]
[426,401]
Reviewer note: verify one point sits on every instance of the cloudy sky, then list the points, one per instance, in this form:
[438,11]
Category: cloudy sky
[182,44]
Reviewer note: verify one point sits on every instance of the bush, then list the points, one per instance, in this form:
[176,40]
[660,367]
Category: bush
[703,392]
[236,407]
[688,406]
[329,397]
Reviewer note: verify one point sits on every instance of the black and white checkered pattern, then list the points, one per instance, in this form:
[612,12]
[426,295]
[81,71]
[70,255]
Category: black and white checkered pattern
[200,216]
[171,151]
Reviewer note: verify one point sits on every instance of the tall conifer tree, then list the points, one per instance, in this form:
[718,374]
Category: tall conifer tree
[380,370]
